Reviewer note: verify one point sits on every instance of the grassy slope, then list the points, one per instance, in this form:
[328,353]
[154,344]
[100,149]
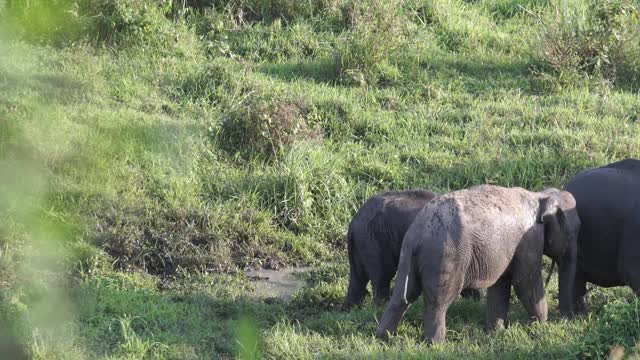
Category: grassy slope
[117,150]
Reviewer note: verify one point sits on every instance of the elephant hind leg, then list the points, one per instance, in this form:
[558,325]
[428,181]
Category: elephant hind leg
[357,289]
[498,296]
[382,273]
[435,314]
[381,291]
[629,256]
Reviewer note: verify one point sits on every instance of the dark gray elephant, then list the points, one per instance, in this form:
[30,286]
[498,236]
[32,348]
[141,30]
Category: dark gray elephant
[374,239]
[484,237]
[608,201]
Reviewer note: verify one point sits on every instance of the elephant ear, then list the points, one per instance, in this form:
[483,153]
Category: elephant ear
[549,208]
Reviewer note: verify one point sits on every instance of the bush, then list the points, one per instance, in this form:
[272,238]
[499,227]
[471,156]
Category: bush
[377,33]
[265,126]
[602,41]
[263,10]
[102,21]
[113,21]
[46,21]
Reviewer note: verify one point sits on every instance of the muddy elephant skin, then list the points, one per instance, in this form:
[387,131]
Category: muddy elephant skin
[374,240]
[484,237]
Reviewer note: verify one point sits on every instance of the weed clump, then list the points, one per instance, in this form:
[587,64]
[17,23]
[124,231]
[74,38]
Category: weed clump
[246,11]
[110,22]
[128,21]
[617,326]
[40,21]
[265,127]
[377,31]
[600,41]
[209,83]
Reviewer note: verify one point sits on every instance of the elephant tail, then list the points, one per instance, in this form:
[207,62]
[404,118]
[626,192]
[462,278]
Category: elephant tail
[355,266]
[404,273]
[350,249]
[551,268]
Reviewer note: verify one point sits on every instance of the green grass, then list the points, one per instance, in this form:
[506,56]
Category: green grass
[128,211]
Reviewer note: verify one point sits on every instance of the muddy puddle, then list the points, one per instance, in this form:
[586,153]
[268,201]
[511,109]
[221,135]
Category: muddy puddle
[281,283]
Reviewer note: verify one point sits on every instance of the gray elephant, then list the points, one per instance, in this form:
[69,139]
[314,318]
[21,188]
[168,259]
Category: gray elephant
[374,240]
[484,237]
[608,201]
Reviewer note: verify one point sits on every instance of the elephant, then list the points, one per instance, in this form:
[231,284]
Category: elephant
[374,239]
[608,201]
[484,237]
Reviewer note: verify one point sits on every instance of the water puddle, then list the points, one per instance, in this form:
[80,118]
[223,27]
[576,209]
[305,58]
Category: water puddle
[281,283]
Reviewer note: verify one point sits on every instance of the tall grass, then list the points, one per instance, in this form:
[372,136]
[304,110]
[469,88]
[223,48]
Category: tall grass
[600,40]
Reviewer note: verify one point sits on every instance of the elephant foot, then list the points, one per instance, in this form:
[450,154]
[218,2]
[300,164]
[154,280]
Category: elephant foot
[379,301]
[347,306]
[581,307]
[498,325]
[383,335]
[437,338]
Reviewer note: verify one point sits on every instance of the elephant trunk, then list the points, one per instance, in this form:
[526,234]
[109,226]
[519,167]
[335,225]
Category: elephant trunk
[566,273]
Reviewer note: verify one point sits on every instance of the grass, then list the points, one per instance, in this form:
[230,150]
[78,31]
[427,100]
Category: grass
[129,213]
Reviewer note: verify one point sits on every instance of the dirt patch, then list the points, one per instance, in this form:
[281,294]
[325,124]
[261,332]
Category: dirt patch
[281,283]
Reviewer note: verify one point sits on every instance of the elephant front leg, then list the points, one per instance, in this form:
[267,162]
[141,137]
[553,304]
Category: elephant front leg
[437,299]
[498,297]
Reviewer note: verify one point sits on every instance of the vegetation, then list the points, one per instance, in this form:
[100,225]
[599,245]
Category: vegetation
[150,151]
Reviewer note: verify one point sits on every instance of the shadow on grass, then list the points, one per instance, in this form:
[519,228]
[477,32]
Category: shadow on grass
[482,77]
[50,87]
[192,323]
[317,71]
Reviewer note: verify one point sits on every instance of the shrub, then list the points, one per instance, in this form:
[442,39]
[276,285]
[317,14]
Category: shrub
[47,21]
[265,126]
[263,10]
[101,21]
[602,41]
[377,33]
[113,21]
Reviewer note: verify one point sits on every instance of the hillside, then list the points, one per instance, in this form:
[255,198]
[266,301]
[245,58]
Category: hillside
[151,151]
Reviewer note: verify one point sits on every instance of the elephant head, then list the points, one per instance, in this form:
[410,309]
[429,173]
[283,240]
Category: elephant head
[559,216]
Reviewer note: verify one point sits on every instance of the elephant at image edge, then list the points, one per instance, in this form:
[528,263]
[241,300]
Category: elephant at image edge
[374,240]
[484,237]
[608,201]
